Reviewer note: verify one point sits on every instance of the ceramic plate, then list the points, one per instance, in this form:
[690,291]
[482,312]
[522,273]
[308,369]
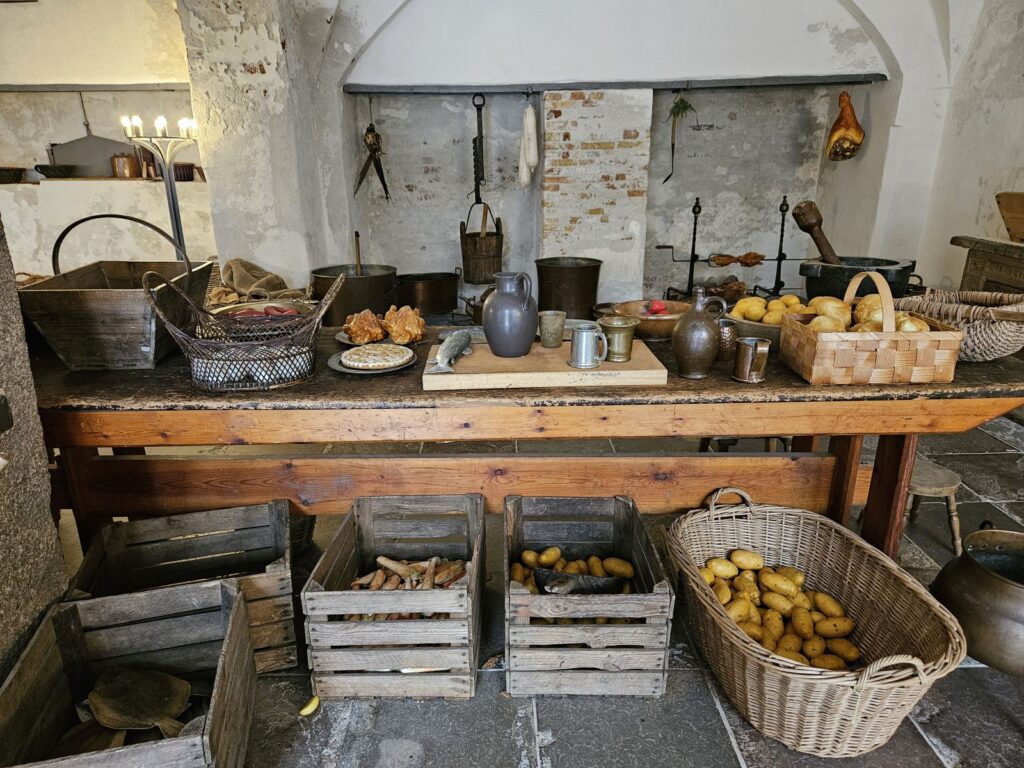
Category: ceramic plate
[334,363]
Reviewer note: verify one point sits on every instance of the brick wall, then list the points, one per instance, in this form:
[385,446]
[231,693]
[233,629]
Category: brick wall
[594,197]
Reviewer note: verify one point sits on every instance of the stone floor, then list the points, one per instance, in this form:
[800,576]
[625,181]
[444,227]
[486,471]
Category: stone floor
[973,717]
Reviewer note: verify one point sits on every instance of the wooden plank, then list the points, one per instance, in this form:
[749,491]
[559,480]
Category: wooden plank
[234,689]
[590,635]
[587,683]
[150,529]
[394,659]
[504,422]
[274,634]
[271,609]
[1011,208]
[392,527]
[397,601]
[617,660]
[215,567]
[140,606]
[652,606]
[329,485]
[544,368]
[882,518]
[843,495]
[175,753]
[275,659]
[415,632]
[181,660]
[154,635]
[266,585]
[393,685]
[198,546]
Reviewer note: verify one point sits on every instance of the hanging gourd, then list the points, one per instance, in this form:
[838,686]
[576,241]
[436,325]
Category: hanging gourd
[846,136]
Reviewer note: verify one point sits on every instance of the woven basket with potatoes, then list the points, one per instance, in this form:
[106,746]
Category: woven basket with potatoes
[868,342]
[886,639]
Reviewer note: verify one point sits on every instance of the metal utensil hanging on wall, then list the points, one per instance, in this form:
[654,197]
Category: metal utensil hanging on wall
[481,251]
[375,148]
[478,147]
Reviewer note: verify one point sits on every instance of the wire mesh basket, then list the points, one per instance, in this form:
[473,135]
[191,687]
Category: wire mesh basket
[240,354]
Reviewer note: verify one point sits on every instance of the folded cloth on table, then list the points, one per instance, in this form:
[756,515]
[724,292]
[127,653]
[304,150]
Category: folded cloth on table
[252,281]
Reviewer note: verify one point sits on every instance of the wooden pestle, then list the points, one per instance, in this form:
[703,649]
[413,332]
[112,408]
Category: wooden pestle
[359,258]
[808,218]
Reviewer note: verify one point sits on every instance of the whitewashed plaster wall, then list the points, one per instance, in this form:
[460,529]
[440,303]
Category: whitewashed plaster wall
[980,153]
[91,42]
[35,214]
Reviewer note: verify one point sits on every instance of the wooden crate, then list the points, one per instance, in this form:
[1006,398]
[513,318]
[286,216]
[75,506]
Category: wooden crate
[251,543]
[364,658]
[77,641]
[98,317]
[606,659]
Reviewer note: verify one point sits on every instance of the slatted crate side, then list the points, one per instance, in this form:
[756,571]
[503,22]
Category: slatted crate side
[416,527]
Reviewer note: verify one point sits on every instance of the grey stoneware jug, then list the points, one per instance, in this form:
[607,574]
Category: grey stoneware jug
[695,338]
[510,315]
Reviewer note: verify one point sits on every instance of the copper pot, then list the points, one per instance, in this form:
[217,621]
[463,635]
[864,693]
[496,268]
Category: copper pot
[984,589]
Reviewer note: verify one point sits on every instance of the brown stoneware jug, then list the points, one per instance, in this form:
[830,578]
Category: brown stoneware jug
[510,315]
[695,338]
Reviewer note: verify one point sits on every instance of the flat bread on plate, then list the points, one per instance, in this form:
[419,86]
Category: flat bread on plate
[371,357]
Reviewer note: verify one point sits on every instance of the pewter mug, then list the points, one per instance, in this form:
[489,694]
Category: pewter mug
[751,359]
[583,352]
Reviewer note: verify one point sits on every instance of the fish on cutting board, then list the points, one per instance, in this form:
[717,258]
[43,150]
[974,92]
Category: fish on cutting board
[454,347]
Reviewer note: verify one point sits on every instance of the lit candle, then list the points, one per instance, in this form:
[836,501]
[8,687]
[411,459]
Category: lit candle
[193,128]
[136,125]
[126,124]
[161,126]
[183,126]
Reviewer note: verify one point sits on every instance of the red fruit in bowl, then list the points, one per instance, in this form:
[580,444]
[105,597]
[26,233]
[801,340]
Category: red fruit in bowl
[657,307]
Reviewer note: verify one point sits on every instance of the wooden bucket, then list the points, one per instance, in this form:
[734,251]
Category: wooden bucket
[481,251]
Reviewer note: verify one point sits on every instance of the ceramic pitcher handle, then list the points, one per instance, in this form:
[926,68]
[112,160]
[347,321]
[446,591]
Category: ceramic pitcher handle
[722,307]
[528,285]
[604,346]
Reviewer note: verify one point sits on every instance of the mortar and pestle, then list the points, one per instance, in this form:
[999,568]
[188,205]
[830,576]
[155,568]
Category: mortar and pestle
[830,275]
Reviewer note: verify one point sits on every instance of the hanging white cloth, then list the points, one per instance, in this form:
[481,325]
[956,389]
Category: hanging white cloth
[529,156]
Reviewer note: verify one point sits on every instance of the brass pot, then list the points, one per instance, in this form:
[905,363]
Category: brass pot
[984,589]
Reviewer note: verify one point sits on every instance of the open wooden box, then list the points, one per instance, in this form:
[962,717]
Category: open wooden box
[605,659]
[251,543]
[356,658]
[152,630]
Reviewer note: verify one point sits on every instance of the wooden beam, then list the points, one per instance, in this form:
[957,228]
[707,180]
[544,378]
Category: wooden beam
[883,514]
[844,480]
[160,485]
[503,422]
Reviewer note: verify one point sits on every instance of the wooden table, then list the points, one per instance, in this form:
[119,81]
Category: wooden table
[129,410]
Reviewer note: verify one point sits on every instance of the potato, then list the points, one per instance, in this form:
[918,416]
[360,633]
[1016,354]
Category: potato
[789,299]
[573,567]
[518,573]
[616,566]
[802,623]
[843,648]
[828,661]
[627,589]
[722,591]
[800,600]
[829,306]
[828,605]
[780,603]
[596,568]
[748,588]
[754,631]
[705,573]
[792,656]
[778,304]
[834,627]
[826,324]
[911,325]
[747,574]
[793,574]
[790,642]
[800,309]
[746,560]
[531,585]
[813,646]
[560,565]
[778,583]
[768,642]
[739,609]
[747,301]
[774,317]
[867,307]
[817,616]
[722,567]
[754,313]
[529,558]
[549,557]
[867,327]
[753,616]
[772,621]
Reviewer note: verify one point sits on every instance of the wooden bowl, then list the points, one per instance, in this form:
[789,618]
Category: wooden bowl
[653,326]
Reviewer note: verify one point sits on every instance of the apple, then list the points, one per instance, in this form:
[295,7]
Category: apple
[656,307]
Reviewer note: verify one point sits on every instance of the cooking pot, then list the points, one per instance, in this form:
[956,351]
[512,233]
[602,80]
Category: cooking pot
[984,589]
[569,284]
[831,279]
[374,289]
[433,293]
[475,307]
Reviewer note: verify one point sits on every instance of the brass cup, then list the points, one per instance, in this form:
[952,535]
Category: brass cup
[619,331]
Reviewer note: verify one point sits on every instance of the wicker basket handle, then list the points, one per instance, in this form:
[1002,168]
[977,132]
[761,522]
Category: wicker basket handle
[150,290]
[143,222]
[888,305]
[716,495]
[866,679]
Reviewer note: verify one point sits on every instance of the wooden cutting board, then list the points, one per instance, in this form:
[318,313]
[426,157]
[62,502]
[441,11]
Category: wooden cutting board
[544,368]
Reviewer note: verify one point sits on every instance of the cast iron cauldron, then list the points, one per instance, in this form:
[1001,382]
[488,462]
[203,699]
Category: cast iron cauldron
[984,589]
[433,293]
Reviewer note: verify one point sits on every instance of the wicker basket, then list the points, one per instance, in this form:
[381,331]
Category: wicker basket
[883,357]
[993,323]
[908,639]
[481,251]
[228,354]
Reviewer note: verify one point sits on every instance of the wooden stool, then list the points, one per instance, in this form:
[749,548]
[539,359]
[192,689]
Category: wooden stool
[930,479]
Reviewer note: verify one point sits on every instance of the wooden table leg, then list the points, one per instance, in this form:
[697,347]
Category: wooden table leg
[808,443]
[847,449]
[71,461]
[883,514]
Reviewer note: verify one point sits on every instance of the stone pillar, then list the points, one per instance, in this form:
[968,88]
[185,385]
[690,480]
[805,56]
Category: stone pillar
[31,565]
[252,104]
[597,148]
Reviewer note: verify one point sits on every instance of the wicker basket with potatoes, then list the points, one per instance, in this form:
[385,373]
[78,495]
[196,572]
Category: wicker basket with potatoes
[868,342]
[826,650]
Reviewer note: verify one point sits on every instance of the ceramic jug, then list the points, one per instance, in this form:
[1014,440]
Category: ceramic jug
[695,338]
[510,315]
